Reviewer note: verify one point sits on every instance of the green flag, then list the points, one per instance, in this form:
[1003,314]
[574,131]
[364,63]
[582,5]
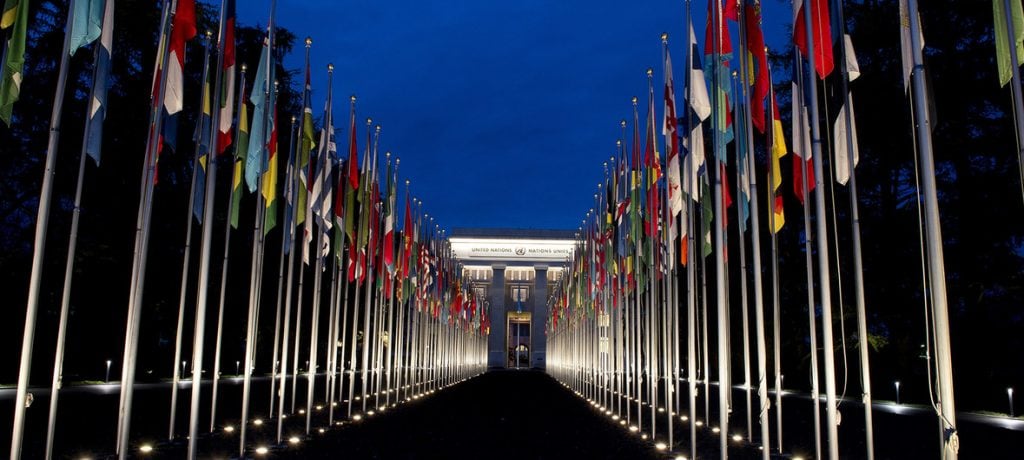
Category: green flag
[16,15]
[241,149]
[1002,41]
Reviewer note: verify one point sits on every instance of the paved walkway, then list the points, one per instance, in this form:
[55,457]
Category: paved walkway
[505,414]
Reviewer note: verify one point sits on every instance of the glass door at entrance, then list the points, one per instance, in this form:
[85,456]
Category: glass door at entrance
[518,340]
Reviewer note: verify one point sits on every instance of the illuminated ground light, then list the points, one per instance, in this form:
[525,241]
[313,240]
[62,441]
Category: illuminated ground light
[262,450]
[294,439]
[661,409]
[334,404]
[615,417]
[357,417]
[357,398]
[684,418]
[698,423]
[258,422]
[716,430]
[643,436]
[321,431]
[229,429]
[622,422]
[633,428]
[680,457]
[660,446]
[318,407]
[145,448]
[737,438]
[302,411]
[798,458]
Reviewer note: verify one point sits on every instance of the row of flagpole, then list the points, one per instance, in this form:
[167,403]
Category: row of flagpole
[421,328]
[617,316]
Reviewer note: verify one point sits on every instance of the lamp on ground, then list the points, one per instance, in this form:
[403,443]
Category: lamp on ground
[897,383]
[1009,394]
[107,379]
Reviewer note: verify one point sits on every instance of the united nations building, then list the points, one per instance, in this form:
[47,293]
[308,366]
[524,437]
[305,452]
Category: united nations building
[511,270]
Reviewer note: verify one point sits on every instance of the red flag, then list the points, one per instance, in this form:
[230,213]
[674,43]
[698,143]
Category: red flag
[798,176]
[755,45]
[821,35]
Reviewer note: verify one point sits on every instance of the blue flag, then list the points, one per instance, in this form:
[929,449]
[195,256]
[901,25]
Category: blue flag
[100,85]
[258,134]
[86,24]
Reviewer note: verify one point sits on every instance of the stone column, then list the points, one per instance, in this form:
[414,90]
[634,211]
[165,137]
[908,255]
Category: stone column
[497,353]
[538,336]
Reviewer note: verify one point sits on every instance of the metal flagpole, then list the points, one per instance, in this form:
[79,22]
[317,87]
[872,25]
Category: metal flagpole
[744,150]
[286,246]
[255,280]
[800,144]
[722,309]
[762,383]
[141,248]
[298,328]
[176,370]
[286,327]
[42,224]
[858,271]
[206,247]
[744,308]
[776,314]
[58,363]
[224,267]
[364,226]
[314,317]
[936,269]
[824,286]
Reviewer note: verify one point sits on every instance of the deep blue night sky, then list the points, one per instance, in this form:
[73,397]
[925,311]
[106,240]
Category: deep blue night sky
[501,112]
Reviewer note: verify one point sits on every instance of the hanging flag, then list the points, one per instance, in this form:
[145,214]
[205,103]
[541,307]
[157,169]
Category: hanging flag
[270,177]
[1003,61]
[406,239]
[328,156]
[307,145]
[389,222]
[241,151]
[227,94]
[743,187]
[652,160]
[906,49]
[261,97]
[100,84]
[699,109]
[15,17]
[669,130]
[320,194]
[86,23]
[843,146]
[707,214]
[184,30]
[801,147]
[756,48]
[778,150]
[203,145]
[723,88]
[821,36]
[351,190]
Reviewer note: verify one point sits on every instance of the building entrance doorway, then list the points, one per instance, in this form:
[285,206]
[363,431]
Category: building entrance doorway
[518,340]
